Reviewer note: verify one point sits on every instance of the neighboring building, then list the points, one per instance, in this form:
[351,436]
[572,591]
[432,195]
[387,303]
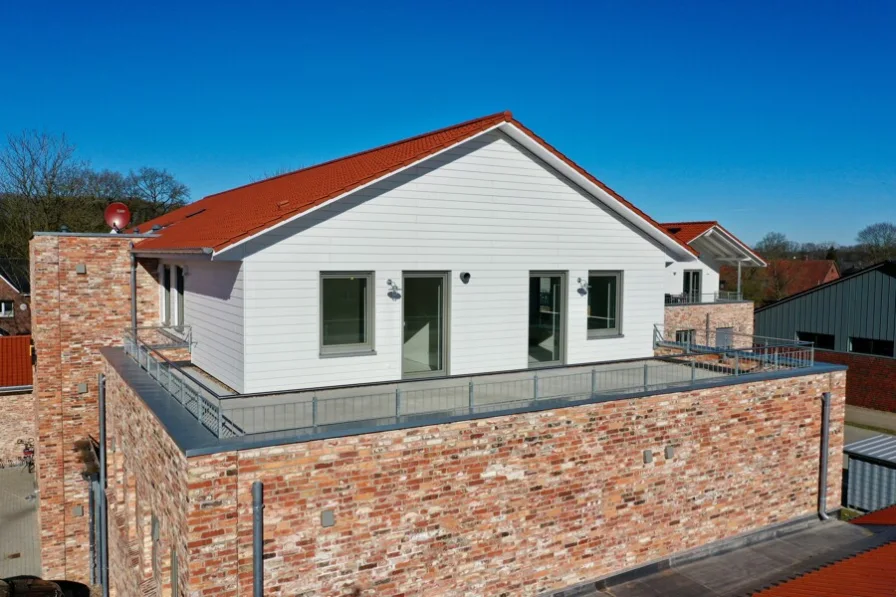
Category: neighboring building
[855,318]
[16,402]
[15,298]
[782,278]
[696,309]
[436,360]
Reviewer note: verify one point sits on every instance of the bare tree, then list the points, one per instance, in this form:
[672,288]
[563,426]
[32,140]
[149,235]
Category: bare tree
[775,245]
[878,241]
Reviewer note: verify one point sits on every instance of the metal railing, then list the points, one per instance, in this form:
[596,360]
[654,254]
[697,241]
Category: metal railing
[746,353]
[374,406]
[697,298]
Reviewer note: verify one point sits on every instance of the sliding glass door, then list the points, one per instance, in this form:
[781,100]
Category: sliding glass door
[547,298]
[424,299]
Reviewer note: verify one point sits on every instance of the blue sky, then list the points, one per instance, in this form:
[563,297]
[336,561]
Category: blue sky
[763,115]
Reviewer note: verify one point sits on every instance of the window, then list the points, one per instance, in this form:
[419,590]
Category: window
[883,348]
[179,288]
[604,304]
[346,320]
[686,336]
[7,309]
[825,341]
[166,294]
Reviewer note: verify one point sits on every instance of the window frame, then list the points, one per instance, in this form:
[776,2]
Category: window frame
[180,290]
[165,294]
[691,332]
[814,340]
[616,331]
[7,313]
[347,350]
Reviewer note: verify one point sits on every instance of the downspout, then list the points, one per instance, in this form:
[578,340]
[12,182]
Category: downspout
[103,539]
[133,293]
[257,539]
[823,460]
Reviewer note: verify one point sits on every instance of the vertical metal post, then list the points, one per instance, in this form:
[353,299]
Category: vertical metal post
[646,385]
[471,397]
[314,411]
[103,538]
[257,539]
[397,403]
[133,291]
[220,420]
[593,380]
[823,460]
[736,364]
[693,371]
[739,293]
[708,342]
[535,386]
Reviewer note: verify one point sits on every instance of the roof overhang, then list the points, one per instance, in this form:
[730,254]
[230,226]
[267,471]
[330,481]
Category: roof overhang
[726,248]
[548,155]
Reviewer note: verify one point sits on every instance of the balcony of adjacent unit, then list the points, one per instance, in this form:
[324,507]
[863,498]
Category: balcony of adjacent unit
[162,358]
[704,298]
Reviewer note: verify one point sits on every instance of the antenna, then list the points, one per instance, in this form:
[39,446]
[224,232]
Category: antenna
[117,216]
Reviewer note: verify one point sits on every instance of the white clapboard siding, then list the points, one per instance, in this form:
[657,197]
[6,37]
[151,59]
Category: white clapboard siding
[486,207]
[213,307]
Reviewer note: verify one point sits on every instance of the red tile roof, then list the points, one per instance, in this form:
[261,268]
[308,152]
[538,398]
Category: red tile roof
[870,574]
[220,220]
[15,361]
[884,516]
[688,231]
[797,275]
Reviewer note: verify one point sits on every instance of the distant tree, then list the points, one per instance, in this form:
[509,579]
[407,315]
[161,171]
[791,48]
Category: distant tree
[878,241]
[832,255]
[775,245]
[43,186]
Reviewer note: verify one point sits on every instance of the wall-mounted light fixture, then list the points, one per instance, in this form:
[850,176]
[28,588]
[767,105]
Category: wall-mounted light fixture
[583,284]
[465,277]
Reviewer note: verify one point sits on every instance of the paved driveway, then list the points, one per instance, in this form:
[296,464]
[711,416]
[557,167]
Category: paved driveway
[19,543]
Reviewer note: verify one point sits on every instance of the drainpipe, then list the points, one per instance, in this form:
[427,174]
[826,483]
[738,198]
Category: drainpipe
[103,539]
[823,461]
[257,539]
[133,293]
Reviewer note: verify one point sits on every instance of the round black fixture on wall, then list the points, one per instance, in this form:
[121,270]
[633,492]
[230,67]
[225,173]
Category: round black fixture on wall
[465,277]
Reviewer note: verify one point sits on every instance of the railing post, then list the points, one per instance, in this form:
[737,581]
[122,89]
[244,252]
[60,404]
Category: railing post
[645,377]
[314,411]
[693,371]
[470,398]
[736,364]
[397,403]
[593,380]
[812,355]
[535,386]
[220,420]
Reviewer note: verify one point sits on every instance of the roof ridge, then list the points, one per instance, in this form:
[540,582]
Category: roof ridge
[693,222]
[506,114]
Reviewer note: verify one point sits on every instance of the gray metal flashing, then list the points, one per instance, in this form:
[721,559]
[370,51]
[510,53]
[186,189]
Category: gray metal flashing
[9,390]
[195,440]
[712,304]
[881,448]
[95,234]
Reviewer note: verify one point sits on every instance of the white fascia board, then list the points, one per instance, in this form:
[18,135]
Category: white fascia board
[596,191]
[353,190]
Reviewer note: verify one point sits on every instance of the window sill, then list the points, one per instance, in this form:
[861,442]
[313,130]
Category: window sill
[348,353]
[607,337]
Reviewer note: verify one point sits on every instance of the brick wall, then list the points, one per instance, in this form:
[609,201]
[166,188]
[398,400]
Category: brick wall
[16,422]
[693,317]
[510,505]
[72,316]
[871,382]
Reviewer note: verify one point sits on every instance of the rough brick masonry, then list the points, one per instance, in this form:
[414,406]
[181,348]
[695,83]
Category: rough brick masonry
[16,422]
[721,315]
[74,314]
[871,382]
[510,505]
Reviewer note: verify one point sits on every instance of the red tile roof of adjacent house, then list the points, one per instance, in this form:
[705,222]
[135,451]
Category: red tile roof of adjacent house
[884,516]
[221,220]
[688,231]
[15,361]
[797,275]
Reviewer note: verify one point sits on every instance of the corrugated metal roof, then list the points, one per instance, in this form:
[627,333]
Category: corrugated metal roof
[880,447]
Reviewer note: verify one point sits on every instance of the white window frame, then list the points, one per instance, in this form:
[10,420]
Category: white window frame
[179,296]
[342,350]
[164,294]
[7,313]
[608,332]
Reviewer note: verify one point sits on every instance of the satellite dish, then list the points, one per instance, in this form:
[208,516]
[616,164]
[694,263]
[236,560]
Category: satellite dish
[117,216]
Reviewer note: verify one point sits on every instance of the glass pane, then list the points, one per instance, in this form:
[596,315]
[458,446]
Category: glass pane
[424,317]
[602,302]
[166,296]
[545,319]
[179,283]
[344,303]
